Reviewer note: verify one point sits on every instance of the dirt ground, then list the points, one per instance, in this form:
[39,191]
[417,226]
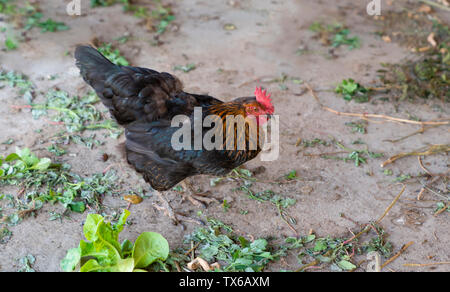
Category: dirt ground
[268,33]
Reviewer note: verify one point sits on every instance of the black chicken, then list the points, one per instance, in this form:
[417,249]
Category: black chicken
[144,101]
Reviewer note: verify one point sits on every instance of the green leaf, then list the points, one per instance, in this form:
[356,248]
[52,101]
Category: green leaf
[78,207]
[259,244]
[105,232]
[43,164]
[103,255]
[149,247]
[320,245]
[10,44]
[118,227]
[346,265]
[12,157]
[91,225]
[126,248]
[126,265]
[92,266]
[71,259]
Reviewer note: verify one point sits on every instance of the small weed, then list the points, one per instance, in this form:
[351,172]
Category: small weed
[26,262]
[357,156]
[291,175]
[358,127]
[334,35]
[402,177]
[225,205]
[11,44]
[57,151]
[51,26]
[388,172]
[351,90]
[5,235]
[187,68]
[314,142]
[341,38]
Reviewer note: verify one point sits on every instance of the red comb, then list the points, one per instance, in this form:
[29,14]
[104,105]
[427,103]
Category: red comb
[264,99]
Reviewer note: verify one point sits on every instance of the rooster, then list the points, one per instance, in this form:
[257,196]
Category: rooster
[145,101]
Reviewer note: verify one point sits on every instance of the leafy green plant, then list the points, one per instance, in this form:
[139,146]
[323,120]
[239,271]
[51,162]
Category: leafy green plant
[106,254]
[352,90]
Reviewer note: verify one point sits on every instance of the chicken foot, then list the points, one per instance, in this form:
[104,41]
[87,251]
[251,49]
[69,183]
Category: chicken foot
[167,208]
[196,199]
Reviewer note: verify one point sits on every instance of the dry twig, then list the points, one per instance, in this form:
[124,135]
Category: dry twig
[376,116]
[404,247]
[432,149]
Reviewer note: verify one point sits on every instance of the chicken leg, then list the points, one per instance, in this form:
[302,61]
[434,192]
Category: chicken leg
[193,196]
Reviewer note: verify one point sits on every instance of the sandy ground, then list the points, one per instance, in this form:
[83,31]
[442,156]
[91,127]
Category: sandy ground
[263,45]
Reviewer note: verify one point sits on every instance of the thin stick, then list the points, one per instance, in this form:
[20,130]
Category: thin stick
[391,205]
[313,263]
[426,265]
[402,250]
[443,209]
[421,131]
[377,116]
[432,149]
[192,248]
[437,5]
[423,167]
[419,196]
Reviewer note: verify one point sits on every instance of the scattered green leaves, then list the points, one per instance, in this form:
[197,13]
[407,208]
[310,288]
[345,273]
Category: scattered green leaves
[17,80]
[77,114]
[217,242]
[44,181]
